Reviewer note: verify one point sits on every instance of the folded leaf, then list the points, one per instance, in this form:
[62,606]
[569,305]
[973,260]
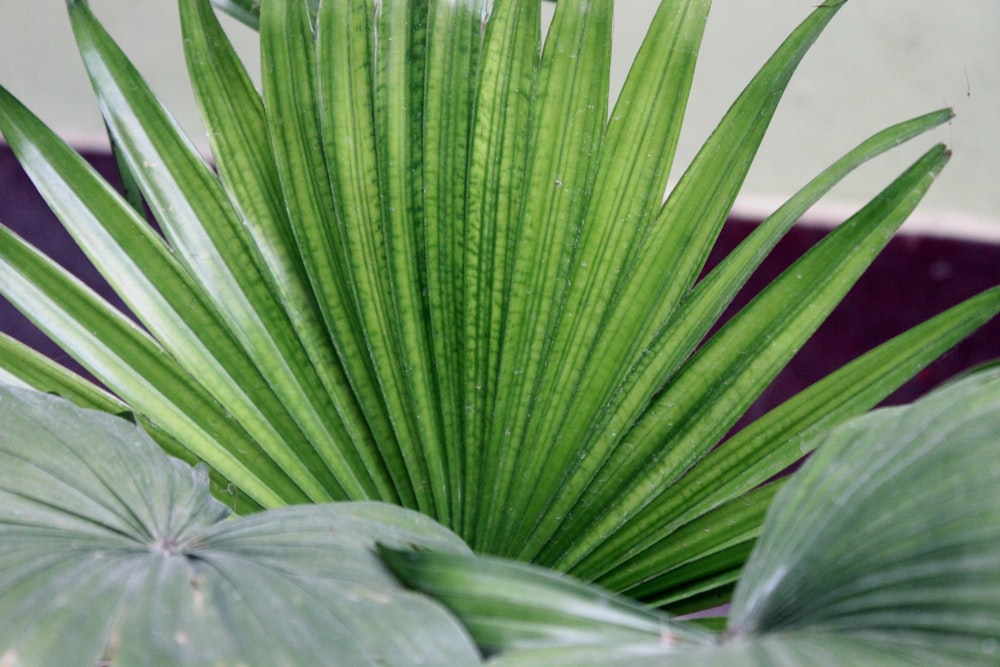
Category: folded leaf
[510,606]
[890,532]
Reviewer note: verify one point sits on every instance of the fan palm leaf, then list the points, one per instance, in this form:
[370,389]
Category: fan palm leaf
[430,267]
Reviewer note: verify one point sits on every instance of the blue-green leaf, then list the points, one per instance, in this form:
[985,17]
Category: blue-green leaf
[111,552]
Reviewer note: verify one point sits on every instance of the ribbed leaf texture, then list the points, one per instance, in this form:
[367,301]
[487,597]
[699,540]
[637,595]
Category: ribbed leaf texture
[112,553]
[431,264]
[883,550]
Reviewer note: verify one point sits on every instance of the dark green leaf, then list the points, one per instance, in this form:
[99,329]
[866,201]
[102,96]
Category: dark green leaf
[289,66]
[565,130]
[449,94]
[632,170]
[497,165]
[883,550]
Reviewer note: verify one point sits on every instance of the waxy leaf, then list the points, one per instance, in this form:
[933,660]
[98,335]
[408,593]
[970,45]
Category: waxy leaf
[112,551]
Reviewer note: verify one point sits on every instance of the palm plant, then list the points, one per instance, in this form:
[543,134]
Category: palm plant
[433,270]
[882,550]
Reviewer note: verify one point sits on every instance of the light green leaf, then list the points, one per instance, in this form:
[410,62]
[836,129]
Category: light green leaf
[234,113]
[510,606]
[111,551]
[137,263]
[566,126]
[289,68]
[129,362]
[26,368]
[727,373]
[209,240]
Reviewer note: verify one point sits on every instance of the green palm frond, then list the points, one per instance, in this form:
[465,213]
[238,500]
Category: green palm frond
[882,550]
[430,266]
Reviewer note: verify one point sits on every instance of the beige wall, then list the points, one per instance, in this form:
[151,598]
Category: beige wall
[879,62]
[39,62]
